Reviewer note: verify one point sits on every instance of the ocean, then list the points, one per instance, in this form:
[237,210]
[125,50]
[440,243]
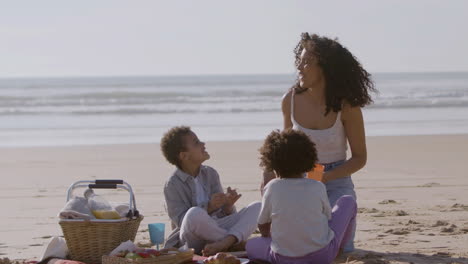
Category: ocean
[123,110]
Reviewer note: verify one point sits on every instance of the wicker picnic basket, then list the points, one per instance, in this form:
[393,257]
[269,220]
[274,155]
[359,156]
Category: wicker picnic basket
[180,257]
[89,240]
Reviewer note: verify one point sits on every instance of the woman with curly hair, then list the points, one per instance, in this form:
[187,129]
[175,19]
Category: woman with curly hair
[296,222]
[325,103]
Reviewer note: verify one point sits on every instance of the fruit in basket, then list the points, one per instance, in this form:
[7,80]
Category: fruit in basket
[139,253]
[144,255]
[153,252]
[100,208]
[132,255]
[102,214]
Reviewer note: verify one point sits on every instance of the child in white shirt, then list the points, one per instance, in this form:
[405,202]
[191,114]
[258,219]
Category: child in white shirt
[296,222]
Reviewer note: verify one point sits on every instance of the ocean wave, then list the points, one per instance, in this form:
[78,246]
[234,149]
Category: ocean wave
[145,81]
[225,94]
[442,99]
[136,111]
[420,104]
[243,107]
[122,100]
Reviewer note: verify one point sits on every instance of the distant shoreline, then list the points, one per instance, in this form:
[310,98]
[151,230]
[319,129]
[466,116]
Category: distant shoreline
[123,76]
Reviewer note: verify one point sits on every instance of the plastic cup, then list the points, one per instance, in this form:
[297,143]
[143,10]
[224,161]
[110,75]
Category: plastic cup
[316,173]
[156,232]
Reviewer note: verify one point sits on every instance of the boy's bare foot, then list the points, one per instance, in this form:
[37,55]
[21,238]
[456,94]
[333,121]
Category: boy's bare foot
[219,246]
[237,247]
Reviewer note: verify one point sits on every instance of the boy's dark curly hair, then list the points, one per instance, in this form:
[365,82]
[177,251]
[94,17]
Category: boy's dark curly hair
[345,78]
[172,143]
[288,153]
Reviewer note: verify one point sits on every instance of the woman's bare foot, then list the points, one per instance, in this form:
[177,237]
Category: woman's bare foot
[219,246]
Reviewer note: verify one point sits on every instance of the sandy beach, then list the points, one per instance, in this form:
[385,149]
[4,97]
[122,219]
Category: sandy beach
[413,206]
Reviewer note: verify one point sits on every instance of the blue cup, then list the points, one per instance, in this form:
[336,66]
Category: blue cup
[156,232]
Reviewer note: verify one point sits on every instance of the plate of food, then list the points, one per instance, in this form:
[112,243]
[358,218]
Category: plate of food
[224,258]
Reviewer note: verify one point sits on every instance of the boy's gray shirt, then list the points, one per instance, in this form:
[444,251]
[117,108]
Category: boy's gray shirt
[180,195]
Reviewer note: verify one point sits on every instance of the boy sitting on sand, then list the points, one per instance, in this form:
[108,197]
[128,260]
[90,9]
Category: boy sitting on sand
[296,222]
[202,215]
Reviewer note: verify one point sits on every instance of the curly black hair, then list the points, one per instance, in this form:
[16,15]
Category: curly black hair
[345,78]
[172,143]
[288,153]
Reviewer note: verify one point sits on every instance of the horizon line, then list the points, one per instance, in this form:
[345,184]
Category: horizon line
[200,75]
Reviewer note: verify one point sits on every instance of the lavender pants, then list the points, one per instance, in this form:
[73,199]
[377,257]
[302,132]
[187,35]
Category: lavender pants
[342,222]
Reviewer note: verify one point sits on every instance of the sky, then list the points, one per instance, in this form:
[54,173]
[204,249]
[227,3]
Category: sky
[133,38]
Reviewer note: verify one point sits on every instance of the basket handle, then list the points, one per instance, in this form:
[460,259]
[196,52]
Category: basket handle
[108,181]
[108,184]
[102,186]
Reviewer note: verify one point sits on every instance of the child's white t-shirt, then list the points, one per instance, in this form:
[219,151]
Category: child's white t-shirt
[299,210]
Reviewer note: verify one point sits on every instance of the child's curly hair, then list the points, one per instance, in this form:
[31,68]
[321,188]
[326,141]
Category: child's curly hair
[172,143]
[288,153]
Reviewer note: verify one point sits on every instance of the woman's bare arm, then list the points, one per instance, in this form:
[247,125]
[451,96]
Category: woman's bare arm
[354,128]
[286,109]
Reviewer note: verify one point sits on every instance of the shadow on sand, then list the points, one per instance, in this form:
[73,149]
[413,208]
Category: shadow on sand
[360,256]
[371,257]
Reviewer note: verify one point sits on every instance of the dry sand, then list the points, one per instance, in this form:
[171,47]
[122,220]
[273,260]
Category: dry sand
[412,194]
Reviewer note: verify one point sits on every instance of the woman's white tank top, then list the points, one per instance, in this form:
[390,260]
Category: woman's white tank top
[330,143]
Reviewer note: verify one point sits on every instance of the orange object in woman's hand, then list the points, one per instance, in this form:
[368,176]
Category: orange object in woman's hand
[316,173]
